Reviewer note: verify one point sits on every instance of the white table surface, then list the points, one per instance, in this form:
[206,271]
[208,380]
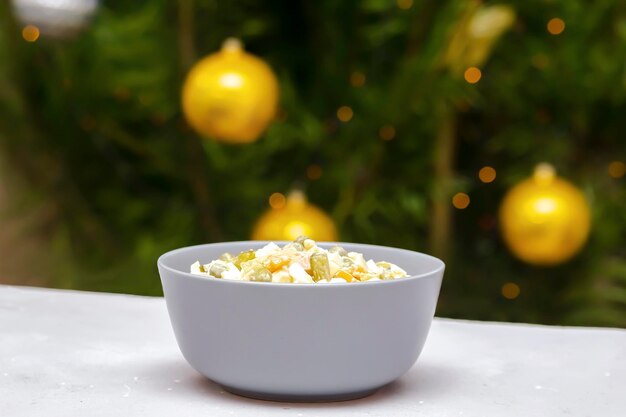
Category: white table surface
[65,353]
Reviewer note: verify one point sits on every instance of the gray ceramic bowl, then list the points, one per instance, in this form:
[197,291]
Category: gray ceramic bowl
[300,342]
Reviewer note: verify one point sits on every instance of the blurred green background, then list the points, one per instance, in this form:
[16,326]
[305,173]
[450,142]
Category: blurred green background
[100,173]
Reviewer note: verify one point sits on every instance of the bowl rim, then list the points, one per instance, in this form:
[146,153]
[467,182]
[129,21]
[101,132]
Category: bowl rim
[161,265]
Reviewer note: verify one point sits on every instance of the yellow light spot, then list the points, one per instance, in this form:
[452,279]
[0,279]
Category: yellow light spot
[404,4]
[277,201]
[545,205]
[510,290]
[345,113]
[544,173]
[617,169]
[487,174]
[296,228]
[387,132]
[30,33]
[556,26]
[231,80]
[460,201]
[472,75]
[314,172]
[357,79]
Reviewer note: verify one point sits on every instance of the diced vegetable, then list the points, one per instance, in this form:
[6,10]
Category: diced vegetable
[320,267]
[338,249]
[217,268]
[227,257]
[298,262]
[300,239]
[344,275]
[244,256]
[297,246]
[259,273]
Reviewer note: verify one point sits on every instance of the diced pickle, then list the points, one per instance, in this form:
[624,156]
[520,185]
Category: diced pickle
[320,267]
[338,249]
[259,273]
[244,256]
[217,269]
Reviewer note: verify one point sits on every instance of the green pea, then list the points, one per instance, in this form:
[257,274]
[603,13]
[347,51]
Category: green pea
[300,239]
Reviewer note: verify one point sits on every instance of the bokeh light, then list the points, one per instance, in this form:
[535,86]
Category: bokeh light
[277,200]
[487,174]
[404,4]
[460,201]
[472,75]
[510,290]
[345,113]
[617,169]
[30,33]
[231,80]
[387,132]
[556,26]
[357,79]
[314,172]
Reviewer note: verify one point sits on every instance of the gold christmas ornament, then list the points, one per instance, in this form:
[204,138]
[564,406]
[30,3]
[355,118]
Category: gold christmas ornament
[295,218]
[230,95]
[545,220]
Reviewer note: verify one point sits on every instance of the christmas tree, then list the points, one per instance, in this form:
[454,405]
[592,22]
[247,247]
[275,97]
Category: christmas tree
[406,121]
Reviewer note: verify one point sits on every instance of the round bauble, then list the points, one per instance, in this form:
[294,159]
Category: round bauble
[545,220]
[296,218]
[230,96]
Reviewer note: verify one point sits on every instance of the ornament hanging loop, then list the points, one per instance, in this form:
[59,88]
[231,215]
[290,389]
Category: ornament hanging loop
[232,45]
